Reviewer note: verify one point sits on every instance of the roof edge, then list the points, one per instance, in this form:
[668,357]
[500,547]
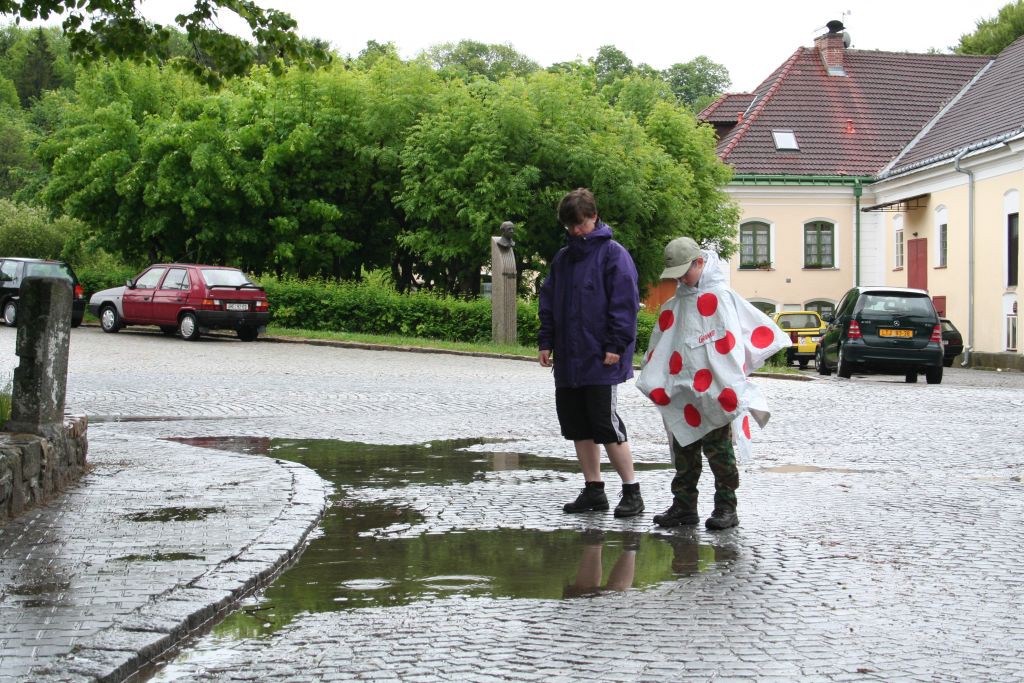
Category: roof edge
[935,119]
[747,120]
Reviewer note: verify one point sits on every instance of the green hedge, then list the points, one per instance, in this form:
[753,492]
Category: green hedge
[95,278]
[376,309]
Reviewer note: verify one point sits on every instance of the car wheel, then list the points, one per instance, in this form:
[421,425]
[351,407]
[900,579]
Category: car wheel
[933,375]
[911,377]
[948,362]
[803,364]
[842,366]
[10,313]
[76,323]
[110,321]
[169,330]
[820,362]
[248,334]
[189,327]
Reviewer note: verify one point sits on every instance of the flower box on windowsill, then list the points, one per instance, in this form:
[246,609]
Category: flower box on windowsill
[756,266]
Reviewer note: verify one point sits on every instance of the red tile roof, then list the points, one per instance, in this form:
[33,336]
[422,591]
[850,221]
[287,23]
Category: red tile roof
[844,125]
[989,108]
[727,108]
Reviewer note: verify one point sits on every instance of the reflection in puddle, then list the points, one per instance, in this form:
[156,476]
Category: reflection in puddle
[174,514]
[350,564]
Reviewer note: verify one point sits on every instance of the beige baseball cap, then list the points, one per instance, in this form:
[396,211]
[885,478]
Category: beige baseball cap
[679,254]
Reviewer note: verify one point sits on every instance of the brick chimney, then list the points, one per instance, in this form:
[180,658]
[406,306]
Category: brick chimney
[832,48]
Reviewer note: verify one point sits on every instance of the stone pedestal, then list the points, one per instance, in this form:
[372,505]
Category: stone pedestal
[44,335]
[503,288]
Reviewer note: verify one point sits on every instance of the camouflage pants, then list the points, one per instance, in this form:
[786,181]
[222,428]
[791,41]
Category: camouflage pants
[717,447]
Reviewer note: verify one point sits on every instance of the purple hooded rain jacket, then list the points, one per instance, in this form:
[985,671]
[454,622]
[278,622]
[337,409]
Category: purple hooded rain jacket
[588,305]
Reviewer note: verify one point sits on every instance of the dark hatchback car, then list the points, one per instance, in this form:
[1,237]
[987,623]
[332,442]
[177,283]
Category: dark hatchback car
[952,342]
[14,270]
[888,330]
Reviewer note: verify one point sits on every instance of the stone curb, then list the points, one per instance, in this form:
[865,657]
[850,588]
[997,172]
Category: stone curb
[130,650]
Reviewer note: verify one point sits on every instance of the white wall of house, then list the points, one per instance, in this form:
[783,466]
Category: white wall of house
[998,188]
[789,283]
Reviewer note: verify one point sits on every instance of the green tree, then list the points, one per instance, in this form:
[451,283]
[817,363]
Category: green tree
[28,231]
[15,148]
[509,151]
[114,28]
[992,35]
[469,58]
[697,80]
[610,64]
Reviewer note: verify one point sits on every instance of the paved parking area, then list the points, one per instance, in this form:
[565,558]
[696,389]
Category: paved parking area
[879,536]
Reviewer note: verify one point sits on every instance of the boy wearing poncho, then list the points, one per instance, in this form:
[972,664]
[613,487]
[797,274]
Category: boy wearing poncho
[707,340]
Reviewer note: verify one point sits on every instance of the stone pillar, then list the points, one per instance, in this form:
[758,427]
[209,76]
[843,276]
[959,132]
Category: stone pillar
[44,335]
[503,286]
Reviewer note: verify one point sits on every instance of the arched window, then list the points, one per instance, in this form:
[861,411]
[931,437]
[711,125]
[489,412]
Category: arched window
[766,307]
[819,245]
[821,307]
[755,245]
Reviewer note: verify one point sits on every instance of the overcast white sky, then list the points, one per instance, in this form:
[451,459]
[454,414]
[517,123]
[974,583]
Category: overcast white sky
[749,37]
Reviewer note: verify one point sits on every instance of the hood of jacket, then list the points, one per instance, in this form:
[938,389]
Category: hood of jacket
[712,277]
[581,245]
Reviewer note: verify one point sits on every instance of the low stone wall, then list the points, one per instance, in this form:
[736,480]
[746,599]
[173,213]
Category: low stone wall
[992,361]
[33,469]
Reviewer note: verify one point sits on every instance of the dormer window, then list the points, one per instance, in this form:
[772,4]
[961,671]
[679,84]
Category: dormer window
[785,140]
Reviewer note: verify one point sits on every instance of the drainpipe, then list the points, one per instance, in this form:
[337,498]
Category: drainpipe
[970,257]
[858,190]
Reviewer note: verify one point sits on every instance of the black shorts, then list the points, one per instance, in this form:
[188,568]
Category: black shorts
[589,413]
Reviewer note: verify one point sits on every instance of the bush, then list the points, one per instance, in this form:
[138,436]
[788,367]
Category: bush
[376,308]
[28,232]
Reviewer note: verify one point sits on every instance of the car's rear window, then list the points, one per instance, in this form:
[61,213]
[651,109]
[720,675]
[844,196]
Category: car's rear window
[947,326]
[49,270]
[897,304]
[792,321]
[220,277]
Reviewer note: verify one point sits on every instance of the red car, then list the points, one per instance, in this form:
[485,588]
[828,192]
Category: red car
[186,298]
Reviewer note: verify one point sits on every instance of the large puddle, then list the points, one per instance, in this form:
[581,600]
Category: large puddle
[351,564]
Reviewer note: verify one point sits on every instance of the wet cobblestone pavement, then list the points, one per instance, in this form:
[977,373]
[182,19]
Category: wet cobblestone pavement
[879,535]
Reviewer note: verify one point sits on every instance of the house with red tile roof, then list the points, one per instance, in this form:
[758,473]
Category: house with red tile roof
[852,167]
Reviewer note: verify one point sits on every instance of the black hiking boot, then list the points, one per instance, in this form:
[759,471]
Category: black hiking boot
[721,519]
[591,498]
[631,504]
[678,515]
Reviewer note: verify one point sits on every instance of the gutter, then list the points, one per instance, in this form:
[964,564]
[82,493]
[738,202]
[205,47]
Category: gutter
[807,180]
[970,256]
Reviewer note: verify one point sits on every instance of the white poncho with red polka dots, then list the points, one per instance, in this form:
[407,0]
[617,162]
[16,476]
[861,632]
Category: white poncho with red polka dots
[707,340]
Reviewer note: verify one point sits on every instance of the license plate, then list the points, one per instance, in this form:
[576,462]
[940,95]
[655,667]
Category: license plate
[896,333]
[236,307]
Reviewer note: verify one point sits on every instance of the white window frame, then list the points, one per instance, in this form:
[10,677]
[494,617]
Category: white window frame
[899,243]
[771,243]
[941,225]
[1011,205]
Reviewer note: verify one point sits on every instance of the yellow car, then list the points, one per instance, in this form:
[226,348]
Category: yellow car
[804,329]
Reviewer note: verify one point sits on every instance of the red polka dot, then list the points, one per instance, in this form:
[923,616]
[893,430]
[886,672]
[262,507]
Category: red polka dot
[660,397]
[675,363]
[692,415]
[762,337]
[649,354]
[727,399]
[666,319]
[702,380]
[707,304]
[725,344]
[746,426]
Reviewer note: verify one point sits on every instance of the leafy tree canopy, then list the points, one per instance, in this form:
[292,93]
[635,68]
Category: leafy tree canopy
[992,35]
[114,28]
[469,58]
[697,80]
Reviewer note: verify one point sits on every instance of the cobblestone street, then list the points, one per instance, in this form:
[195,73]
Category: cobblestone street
[879,535]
